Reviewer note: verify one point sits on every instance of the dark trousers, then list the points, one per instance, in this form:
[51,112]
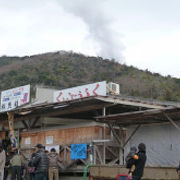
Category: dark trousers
[32,176]
[40,176]
[136,178]
[5,173]
[16,172]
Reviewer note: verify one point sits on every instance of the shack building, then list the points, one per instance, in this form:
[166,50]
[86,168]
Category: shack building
[110,124]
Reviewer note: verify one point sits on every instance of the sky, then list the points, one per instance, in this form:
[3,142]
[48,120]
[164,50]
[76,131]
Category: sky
[142,33]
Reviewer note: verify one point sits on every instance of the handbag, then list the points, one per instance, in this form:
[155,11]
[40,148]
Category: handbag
[31,169]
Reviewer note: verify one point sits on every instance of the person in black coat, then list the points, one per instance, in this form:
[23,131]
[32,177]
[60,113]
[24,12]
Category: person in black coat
[40,162]
[139,162]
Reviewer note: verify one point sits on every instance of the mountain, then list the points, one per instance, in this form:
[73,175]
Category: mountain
[67,69]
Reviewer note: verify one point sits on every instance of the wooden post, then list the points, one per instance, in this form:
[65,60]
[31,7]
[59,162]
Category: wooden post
[64,153]
[104,136]
[115,135]
[99,155]
[94,156]
[129,138]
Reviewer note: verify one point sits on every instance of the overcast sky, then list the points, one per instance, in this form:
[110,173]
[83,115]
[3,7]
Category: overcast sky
[142,33]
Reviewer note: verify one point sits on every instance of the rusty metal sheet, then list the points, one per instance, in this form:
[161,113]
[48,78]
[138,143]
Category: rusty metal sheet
[150,173]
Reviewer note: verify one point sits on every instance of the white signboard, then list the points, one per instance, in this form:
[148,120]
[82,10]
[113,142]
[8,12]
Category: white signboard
[78,92]
[49,139]
[12,98]
[27,141]
[56,147]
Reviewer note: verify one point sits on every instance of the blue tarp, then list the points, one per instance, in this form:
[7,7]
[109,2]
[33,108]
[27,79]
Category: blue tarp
[78,151]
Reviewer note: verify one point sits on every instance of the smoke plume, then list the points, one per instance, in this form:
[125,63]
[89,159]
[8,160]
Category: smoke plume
[99,26]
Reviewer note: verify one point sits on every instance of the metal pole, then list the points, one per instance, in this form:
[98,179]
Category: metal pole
[91,153]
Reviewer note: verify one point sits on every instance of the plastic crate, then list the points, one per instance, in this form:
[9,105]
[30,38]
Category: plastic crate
[122,177]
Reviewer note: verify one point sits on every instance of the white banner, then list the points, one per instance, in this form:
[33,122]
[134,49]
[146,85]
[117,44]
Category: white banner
[56,147]
[13,98]
[78,92]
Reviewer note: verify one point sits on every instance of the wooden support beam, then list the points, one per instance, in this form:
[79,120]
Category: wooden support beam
[115,135]
[70,164]
[133,133]
[99,155]
[111,151]
[25,124]
[84,162]
[113,161]
[172,122]
[35,121]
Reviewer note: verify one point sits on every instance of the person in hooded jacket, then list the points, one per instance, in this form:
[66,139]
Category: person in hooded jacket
[54,161]
[139,162]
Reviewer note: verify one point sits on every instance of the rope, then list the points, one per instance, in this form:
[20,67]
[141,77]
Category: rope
[86,171]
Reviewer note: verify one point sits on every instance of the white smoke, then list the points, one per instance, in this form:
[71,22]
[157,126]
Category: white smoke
[99,26]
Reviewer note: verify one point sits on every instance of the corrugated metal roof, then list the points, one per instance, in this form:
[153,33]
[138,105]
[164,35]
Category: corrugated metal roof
[141,117]
[84,105]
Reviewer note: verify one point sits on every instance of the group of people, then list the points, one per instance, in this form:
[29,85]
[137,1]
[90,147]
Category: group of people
[41,165]
[44,164]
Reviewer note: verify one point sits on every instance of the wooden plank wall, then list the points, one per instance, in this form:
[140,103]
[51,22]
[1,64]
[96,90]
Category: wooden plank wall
[64,136]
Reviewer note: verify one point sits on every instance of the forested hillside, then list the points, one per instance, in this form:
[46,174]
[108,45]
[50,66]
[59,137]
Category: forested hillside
[67,69]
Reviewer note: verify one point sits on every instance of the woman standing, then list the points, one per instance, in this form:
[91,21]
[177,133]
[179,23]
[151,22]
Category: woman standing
[2,162]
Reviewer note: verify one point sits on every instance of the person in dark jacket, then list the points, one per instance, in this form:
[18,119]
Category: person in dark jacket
[40,162]
[139,162]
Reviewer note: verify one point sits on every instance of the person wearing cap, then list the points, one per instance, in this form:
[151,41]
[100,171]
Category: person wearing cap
[40,162]
[139,162]
[2,162]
